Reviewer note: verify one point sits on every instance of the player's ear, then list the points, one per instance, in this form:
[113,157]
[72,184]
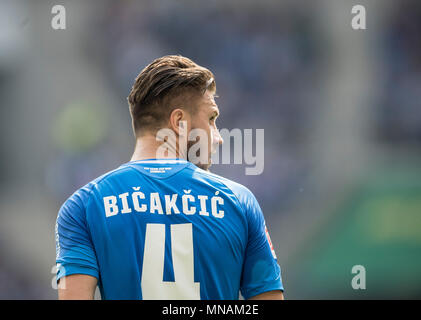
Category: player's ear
[178,122]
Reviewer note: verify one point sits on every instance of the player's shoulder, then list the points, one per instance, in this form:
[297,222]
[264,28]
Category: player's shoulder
[241,192]
[82,195]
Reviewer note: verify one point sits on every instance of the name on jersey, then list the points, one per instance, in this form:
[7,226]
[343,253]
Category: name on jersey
[156,203]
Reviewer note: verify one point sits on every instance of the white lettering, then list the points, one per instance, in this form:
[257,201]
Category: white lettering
[123,198]
[170,204]
[185,198]
[215,212]
[203,211]
[110,205]
[156,203]
[135,197]
[191,204]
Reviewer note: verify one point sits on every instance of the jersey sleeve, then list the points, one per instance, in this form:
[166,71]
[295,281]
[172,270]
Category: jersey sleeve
[75,253]
[261,272]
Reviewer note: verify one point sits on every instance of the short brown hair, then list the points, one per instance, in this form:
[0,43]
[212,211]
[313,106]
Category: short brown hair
[155,88]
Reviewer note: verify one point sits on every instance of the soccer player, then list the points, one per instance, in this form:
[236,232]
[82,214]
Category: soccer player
[163,227]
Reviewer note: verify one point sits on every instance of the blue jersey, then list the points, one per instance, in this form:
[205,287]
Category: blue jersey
[166,229]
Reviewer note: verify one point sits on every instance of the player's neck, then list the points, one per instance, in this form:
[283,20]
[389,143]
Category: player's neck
[147,148]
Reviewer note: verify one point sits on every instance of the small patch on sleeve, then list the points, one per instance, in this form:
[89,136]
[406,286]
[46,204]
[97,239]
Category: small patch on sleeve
[270,242]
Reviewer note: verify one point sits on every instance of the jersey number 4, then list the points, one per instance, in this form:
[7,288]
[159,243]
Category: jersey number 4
[153,285]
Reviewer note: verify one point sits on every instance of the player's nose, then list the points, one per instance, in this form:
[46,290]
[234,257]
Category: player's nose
[219,139]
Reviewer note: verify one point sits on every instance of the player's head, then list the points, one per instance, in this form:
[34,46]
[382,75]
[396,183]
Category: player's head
[171,91]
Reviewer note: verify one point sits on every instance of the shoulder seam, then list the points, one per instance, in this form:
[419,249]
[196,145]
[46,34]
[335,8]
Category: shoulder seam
[99,181]
[221,181]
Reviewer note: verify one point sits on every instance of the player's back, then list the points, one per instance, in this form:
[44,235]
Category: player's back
[163,229]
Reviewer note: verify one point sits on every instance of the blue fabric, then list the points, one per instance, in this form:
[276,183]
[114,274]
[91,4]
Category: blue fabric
[101,230]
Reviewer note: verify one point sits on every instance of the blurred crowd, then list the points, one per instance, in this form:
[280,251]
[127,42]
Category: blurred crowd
[399,109]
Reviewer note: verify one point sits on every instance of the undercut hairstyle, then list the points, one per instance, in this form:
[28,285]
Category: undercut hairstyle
[160,84]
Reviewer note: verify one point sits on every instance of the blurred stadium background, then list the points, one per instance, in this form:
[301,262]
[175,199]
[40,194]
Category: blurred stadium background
[341,111]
